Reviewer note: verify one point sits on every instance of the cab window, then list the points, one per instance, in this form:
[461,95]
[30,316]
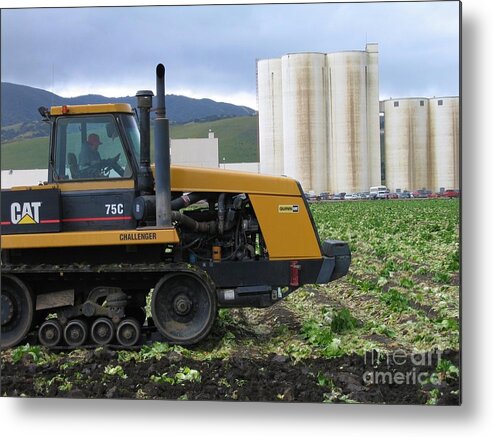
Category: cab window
[89,147]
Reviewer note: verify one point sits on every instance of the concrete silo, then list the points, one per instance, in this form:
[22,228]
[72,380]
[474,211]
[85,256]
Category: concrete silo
[406,143]
[347,117]
[444,143]
[305,119]
[269,95]
[330,126]
[373,115]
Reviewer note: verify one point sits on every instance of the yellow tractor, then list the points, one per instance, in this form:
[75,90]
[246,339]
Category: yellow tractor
[82,253]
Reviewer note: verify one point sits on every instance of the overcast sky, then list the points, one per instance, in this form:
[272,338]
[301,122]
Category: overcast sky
[211,51]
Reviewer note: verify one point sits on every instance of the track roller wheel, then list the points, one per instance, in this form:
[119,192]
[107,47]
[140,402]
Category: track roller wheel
[128,332]
[50,333]
[184,307]
[102,331]
[75,333]
[17,310]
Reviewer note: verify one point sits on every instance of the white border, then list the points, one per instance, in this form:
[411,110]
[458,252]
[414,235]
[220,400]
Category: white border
[82,418]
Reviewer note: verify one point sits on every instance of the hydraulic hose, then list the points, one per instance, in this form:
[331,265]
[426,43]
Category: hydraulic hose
[193,225]
[186,200]
[221,211]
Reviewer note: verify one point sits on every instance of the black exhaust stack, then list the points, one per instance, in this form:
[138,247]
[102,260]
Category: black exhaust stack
[162,155]
[145,180]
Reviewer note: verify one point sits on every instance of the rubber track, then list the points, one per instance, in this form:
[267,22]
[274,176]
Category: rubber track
[83,269]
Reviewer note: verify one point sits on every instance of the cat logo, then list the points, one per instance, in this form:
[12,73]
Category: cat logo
[288,209]
[25,214]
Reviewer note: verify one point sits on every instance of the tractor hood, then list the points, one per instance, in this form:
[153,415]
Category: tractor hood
[190,179]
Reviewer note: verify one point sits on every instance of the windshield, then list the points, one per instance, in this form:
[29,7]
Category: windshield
[133,134]
[89,147]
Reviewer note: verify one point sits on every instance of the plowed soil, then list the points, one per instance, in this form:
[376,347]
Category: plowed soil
[244,375]
[273,379]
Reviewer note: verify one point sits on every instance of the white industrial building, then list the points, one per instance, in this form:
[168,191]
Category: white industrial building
[250,167]
[16,178]
[196,152]
[406,143]
[204,152]
[444,143]
[421,142]
[319,119]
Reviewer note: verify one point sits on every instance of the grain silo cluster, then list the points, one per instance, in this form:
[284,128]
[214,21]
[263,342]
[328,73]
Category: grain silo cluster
[319,123]
[421,143]
[319,119]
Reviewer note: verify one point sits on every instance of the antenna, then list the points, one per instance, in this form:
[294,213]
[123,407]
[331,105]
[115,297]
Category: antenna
[52,84]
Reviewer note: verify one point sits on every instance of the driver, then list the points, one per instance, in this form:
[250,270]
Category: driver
[90,160]
[89,155]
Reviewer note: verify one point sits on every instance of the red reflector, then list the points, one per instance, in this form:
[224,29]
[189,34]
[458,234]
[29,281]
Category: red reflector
[294,272]
[64,109]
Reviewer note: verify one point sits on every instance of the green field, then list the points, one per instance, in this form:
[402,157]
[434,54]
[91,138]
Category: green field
[403,283]
[25,154]
[237,143]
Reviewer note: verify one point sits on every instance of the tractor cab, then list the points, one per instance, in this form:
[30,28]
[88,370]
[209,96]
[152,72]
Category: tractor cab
[93,171]
[92,142]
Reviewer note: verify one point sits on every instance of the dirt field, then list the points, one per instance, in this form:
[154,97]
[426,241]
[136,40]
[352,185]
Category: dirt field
[245,374]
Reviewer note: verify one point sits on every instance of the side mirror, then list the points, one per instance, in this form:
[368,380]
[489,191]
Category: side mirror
[111,130]
[45,112]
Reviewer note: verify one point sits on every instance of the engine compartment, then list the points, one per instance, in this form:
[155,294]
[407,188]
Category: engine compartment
[212,226]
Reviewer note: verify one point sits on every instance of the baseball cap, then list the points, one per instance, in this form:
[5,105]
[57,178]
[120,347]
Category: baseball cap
[93,140]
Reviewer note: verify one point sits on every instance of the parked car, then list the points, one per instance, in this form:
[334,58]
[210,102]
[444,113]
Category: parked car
[420,194]
[393,196]
[350,196]
[434,195]
[365,195]
[405,195]
[338,196]
[324,195]
[310,197]
[450,194]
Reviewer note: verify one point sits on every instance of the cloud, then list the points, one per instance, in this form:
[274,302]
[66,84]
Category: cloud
[212,50]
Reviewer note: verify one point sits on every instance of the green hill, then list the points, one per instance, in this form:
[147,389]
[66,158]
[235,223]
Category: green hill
[237,143]
[20,103]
